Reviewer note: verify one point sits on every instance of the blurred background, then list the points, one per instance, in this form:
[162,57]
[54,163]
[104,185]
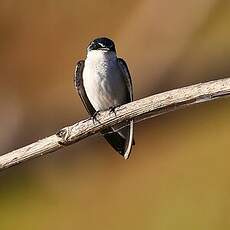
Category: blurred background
[178,176]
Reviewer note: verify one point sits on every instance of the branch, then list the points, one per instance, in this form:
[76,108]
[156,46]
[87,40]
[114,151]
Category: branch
[138,110]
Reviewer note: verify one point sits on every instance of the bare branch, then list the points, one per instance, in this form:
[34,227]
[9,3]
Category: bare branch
[138,110]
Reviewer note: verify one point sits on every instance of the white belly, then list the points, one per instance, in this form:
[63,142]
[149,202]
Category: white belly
[104,85]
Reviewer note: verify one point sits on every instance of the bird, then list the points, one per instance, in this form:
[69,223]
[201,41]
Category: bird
[103,82]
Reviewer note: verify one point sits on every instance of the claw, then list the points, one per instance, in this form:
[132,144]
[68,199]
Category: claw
[95,117]
[112,110]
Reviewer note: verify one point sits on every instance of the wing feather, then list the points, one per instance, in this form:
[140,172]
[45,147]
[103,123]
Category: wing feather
[128,82]
[78,82]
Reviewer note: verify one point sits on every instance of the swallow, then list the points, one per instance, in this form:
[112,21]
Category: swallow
[103,82]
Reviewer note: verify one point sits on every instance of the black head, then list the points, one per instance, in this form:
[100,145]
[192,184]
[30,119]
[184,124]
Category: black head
[102,44]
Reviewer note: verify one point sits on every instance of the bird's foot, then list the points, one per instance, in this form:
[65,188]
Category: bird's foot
[112,110]
[95,117]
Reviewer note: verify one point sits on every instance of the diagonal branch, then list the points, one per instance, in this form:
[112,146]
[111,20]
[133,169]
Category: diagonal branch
[138,110]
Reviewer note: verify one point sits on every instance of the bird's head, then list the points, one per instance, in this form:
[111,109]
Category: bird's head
[102,44]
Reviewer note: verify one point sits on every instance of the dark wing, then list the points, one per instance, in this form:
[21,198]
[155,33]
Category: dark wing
[128,80]
[78,82]
[114,139]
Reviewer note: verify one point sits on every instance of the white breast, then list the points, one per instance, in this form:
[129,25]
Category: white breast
[103,80]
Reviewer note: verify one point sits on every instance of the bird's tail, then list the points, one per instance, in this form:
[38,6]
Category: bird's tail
[121,139]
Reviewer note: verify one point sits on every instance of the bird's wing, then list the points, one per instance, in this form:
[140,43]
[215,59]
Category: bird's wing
[78,82]
[127,130]
[114,138]
[127,78]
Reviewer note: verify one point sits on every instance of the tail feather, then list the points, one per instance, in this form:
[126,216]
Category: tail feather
[121,140]
[115,140]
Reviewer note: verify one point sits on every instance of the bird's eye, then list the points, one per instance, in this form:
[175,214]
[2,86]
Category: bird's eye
[94,46]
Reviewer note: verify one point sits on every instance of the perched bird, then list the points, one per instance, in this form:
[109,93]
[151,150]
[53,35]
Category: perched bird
[103,82]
